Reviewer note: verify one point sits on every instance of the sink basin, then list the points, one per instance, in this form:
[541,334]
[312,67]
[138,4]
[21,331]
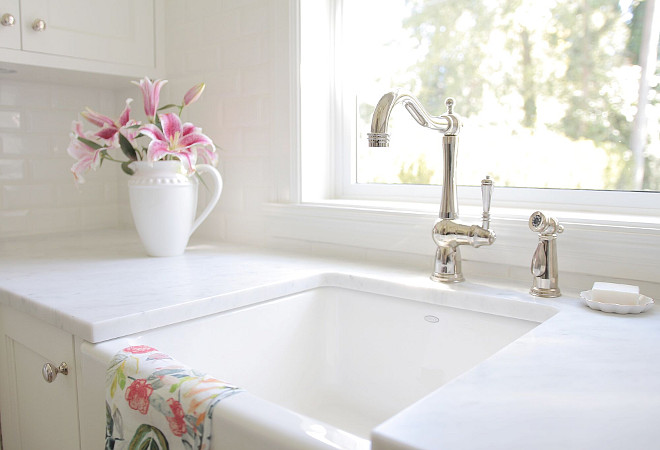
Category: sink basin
[341,359]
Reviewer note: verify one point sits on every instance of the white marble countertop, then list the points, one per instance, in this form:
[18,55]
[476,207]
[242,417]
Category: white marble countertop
[101,285]
[583,379]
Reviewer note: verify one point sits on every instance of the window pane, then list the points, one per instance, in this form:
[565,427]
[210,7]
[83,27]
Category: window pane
[559,94]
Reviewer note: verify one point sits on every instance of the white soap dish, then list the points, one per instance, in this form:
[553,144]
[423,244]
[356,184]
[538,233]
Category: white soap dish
[645,304]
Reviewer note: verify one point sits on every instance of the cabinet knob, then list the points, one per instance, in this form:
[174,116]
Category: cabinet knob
[39,25]
[7,20]
[50,371]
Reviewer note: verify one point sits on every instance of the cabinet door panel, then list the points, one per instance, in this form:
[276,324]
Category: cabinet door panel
[10,36]
[36,414]
[46,411]
[120,31]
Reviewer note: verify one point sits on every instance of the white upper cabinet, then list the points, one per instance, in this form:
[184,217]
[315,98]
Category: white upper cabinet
[120,31]
[10,28]
[117,37]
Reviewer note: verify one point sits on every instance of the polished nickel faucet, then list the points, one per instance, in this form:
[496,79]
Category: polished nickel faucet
[448,234]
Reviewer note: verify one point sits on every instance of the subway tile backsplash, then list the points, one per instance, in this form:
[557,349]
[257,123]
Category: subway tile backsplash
[37,191]
[10,119]
[240,49]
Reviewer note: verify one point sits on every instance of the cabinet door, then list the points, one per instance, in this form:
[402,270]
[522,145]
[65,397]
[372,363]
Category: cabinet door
[119,31]
[10,35]
[36,414]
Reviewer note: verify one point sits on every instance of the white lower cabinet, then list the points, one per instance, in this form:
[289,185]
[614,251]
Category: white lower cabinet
[36,414]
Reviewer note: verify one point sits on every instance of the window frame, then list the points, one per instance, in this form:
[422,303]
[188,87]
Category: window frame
[610,234]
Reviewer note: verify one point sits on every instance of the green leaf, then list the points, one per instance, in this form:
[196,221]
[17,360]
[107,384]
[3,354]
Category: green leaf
[109,423]
[158,403]
[121,378]
[113,387]
[148,437]
[155,382]
[176,386]
[179,373]
[127,148]
[90,143]
[171,105]
[126,169]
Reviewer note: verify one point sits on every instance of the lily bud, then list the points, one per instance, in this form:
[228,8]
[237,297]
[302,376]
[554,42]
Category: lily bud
[193,94]
[150,95]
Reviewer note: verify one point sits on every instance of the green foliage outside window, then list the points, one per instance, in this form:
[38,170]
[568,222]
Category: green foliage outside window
[567,67]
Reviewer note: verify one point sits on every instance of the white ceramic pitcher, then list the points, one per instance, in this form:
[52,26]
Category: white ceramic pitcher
[164,202]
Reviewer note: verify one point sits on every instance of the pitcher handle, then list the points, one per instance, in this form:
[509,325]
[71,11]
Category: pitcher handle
[206,168]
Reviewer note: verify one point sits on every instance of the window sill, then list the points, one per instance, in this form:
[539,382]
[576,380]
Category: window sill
[598,244]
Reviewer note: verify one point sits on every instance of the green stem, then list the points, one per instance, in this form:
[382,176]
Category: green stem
[112,159]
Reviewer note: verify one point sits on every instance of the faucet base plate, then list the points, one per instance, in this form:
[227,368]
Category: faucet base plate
[447,277]
[545,292]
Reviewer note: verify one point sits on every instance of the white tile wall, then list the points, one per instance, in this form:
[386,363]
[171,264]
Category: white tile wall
[240,50]
[37,192]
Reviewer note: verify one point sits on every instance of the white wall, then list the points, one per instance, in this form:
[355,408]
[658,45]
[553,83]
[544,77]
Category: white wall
[37,192]
[240,49]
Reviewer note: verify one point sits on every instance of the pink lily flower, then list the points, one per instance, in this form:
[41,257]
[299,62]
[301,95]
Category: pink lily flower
[207,154]
[150,95]
[97,119]
[109,128]
[182,141]
[86,156]
[193,94]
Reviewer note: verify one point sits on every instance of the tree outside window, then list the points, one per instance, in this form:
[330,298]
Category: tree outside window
[558,94]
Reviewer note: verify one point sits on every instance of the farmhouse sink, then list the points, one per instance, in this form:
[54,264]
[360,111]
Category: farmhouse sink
[335,362]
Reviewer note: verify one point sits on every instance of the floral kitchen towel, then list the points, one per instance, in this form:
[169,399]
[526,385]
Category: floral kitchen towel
[154,402]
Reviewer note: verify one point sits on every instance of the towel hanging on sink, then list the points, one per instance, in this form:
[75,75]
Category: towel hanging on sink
[155,402]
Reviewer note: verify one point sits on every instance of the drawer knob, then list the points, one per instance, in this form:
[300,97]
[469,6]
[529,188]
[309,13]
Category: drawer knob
[50,371]
[39,25]
[7,20]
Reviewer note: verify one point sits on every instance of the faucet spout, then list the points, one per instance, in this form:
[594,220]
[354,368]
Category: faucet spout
[379,136]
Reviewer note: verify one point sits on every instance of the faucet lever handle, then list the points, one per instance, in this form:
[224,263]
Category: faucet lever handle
[486,195]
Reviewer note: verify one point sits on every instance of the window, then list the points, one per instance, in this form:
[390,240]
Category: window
[550,93]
